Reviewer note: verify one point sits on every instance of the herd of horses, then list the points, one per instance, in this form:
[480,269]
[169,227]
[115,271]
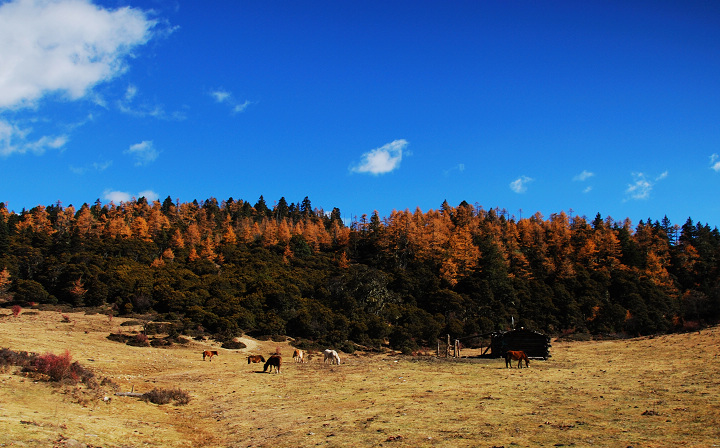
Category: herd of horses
[274,362]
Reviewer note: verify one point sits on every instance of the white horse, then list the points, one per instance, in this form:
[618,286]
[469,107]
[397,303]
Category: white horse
[332,355]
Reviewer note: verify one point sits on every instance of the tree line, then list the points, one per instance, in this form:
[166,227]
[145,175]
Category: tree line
[226,268]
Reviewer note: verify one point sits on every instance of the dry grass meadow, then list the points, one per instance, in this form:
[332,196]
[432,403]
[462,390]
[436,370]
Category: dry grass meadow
[647,392]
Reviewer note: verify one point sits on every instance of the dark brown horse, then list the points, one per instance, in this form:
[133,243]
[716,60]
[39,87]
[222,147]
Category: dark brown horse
[518,356]
[209,354]
[275,361]
[255,358]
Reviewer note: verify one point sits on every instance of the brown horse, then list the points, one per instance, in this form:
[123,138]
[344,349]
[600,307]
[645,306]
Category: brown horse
[255,358]
[518,356]
[299,355]
[274,361]
[209,354]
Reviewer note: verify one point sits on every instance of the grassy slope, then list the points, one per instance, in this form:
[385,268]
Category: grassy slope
[649,392]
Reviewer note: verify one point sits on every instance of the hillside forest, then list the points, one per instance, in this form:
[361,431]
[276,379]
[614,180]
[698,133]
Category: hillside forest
[227,268]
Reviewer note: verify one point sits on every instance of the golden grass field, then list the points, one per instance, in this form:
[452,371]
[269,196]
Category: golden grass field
[646,392]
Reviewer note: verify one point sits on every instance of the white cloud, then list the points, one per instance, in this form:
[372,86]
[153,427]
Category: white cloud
[519,185]
[63,46]
[241,107]
[144,152]
[382,160]
[149,195]
[123,196]
[220,95]
[130,92]
[585,175]
[14,139]
[117,196]
[642,186]
[223,96]
[129,104]
[587,189]
[715,162]
[97,166]
[460,167]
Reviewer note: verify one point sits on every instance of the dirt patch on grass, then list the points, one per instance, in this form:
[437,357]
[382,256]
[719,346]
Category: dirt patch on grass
[649,392]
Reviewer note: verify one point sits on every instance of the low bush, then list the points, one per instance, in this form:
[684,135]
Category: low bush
[119,337]
[165,396]
[54,366]
[12,358]
[131,323]
[139,340]
[160,342]
[233,345]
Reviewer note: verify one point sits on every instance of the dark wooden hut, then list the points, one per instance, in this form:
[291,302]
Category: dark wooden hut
[535,345]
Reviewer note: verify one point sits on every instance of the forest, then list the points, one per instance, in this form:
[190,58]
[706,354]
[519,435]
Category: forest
[226,268]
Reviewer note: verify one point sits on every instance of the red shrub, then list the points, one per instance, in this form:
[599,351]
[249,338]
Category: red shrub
[16,310]
[54,366]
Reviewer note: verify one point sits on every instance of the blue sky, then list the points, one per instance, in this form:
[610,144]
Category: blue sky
[606,107]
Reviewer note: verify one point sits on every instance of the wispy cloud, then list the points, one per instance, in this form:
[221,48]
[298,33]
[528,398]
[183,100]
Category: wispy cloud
[715,162]
[132,104]
[220,95]
[143,152]
[223,96]
[585,175]
[97,166]
[381,160]
[642,186]
[519,185]
[582,177]
[15,139]
[460,167]
[123,196]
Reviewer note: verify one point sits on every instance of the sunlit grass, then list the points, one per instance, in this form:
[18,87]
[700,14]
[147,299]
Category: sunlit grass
[649,392]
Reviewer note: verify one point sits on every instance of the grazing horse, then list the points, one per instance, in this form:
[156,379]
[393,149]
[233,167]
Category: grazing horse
[273,361]
[255,358]
[209,354]
[298,355]
[332,355]
[518,356]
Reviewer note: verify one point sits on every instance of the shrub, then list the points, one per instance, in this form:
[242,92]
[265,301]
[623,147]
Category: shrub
[12,358]
[139,340]
[131,323]
[165,396]
[54,366]
[160,342]
[16,309]
[180,340]
[118,337]
[233,345]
